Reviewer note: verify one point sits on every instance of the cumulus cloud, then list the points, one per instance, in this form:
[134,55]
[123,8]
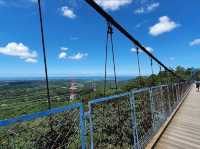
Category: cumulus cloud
[67,12]
[165,24]
[139,10]
[152,6]
[146,9]
[78,56]
[31,60]
[19,50]
[195,42]
[64,49]
[62,55]
[147,48]
[112,4]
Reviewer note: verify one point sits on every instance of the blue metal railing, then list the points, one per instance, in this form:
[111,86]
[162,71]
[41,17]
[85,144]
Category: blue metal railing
[127,120]
[49,113]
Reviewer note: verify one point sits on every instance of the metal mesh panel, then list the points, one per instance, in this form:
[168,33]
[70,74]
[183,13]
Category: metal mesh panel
[57,131]
[130,122]
[171,96]
[112,127]
[176,93]
[158,107]
[127,120]
[144,117]
[165,95]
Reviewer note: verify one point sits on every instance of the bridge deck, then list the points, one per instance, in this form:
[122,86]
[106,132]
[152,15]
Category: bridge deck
[184,130]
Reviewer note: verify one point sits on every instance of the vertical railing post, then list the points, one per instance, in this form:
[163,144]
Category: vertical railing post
[177,96]
[82,126]
[169,103]
[173,96]
[179,92]
[134,121]
[162,99]
[91,127]
[153,112]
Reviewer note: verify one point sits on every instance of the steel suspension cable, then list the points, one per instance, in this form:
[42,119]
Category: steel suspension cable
[160,69]
[109,35]
[109,18]
[138,61]
[44,54]
[152,72]
[45,62]
[113,54]
[114,69]
[106,60]
[160,74]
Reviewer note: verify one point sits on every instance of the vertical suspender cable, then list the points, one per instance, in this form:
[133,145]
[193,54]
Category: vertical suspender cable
[110,31]
[160,74]
[160,69]
[44,54]
[106,60]
[109,35]
[113,55]
[138,61]
[152,66]
[152,72]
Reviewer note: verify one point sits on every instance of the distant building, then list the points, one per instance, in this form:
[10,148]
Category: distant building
[73,90]
[94,86]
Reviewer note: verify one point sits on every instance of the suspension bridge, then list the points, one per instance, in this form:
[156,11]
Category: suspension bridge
[164,116]
[183,129]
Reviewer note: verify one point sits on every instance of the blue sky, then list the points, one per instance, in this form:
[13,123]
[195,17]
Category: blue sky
[75,36]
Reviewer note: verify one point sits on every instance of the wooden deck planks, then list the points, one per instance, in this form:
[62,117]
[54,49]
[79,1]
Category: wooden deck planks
[184,130]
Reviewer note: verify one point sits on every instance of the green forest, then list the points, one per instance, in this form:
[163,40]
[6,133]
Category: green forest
[25,97]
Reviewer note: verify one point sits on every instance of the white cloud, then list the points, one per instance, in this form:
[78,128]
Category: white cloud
[112,4]
[172,58]
[146,9]
[195,42]
[67,12]
[62,55]
[78,56]
[152,6]
[147,48]
[64,49]
[19,50]
[140,24]
[31,60]
[164,25]
[139,10]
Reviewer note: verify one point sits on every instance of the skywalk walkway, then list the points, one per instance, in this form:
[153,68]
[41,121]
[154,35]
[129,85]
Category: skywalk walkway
[183,132]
